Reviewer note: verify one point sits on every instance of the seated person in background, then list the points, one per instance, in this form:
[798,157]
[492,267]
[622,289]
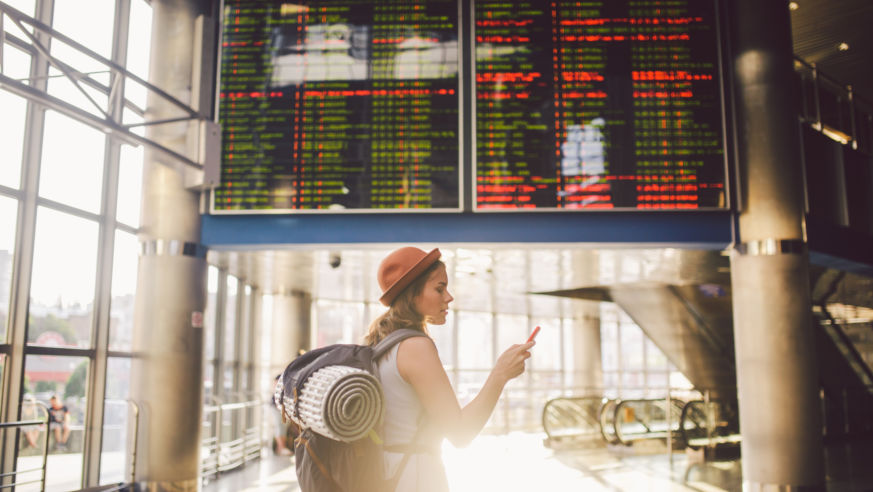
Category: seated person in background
[60,422]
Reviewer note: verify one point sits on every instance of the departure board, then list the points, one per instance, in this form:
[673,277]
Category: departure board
[339,105]
[600,104]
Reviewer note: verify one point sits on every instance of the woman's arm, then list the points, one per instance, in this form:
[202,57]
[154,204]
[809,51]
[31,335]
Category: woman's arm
[420,366]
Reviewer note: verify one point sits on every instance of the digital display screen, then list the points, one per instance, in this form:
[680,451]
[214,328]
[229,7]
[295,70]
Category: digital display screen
[597,105]
[339,105]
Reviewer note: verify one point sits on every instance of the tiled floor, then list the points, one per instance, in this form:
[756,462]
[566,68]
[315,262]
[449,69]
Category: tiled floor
[520,462]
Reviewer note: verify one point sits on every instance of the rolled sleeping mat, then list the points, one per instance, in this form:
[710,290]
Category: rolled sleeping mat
[340,402]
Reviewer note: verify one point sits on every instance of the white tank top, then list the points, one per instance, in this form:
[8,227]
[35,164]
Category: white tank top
[402,408]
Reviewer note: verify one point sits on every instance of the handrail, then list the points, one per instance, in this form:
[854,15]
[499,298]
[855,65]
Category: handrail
[725,431]
[650,431]
[212,444]
[236,450]
[569,417]
[45,450]
[135,407]
[855,103]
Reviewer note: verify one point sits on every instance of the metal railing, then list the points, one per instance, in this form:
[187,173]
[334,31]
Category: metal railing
[209,444]
[636,420]
[232,435]
[572,419]
[847,412]
[24,423]
[833,108]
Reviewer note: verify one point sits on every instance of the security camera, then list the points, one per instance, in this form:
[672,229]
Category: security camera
[335,260]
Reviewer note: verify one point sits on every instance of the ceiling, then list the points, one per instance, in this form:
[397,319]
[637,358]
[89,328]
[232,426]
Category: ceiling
[818,29]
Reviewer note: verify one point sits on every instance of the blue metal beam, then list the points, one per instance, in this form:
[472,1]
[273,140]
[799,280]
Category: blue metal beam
[706,230]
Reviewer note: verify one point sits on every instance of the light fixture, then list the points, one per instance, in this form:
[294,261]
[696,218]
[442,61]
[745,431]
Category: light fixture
[843,47]
[793,5]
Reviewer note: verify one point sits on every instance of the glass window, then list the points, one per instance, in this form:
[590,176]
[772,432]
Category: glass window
[475,345]
[117,421]
[245,322]
[69,18]
[96,102]
[443,337]
[472,281]
[632,355]
[208,377]
[655,359]
[209,315]
[230,340]
[609,345]
[129,185]
[548,349]
[62,285]
[124,274]
[8,219]
[96,35]
[72,178]
[339,322]
[340,275]
[138,49]
[511,329]
[16,63]
[67,379]
[509,274]
[11,136]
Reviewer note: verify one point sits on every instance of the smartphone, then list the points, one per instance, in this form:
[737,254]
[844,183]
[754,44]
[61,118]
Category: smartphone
[533,334]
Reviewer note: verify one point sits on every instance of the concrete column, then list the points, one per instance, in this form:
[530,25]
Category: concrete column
[167,372]
[290,329]
[587,363]
[777,370]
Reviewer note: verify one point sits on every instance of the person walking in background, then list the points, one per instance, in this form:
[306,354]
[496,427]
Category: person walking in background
[59,422]
[421,407]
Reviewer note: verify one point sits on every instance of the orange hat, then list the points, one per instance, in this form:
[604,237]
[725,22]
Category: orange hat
[400,268]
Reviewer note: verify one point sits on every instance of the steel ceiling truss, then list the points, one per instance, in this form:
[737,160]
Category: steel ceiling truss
[119,75]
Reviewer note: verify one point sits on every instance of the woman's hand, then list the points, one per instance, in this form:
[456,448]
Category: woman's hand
[510,364]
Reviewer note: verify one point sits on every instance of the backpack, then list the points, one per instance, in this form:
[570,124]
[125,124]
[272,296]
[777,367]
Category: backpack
[324,464]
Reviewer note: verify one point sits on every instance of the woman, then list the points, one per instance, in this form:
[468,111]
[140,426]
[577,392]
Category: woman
[421,406]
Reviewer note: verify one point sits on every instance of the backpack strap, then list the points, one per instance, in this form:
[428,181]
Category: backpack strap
[393,339]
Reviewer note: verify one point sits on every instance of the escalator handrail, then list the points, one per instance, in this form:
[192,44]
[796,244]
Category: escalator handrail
[675,403]
[586,417]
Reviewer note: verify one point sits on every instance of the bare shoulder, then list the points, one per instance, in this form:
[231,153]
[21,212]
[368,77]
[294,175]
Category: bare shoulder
[418,344]
[416,354]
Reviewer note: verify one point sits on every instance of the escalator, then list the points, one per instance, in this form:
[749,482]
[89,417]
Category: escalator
[694,424]
[684,307]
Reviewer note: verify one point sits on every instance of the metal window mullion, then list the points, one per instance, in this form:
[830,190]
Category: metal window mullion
[2,39]
[63,67]
[93,444]
[218,361]
[238,333]
[254,338]
[25,237]
[11,192]
[78,114]
[43,30]
[67,209]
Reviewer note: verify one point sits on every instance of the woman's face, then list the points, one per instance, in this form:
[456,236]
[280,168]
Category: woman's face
[433,301]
